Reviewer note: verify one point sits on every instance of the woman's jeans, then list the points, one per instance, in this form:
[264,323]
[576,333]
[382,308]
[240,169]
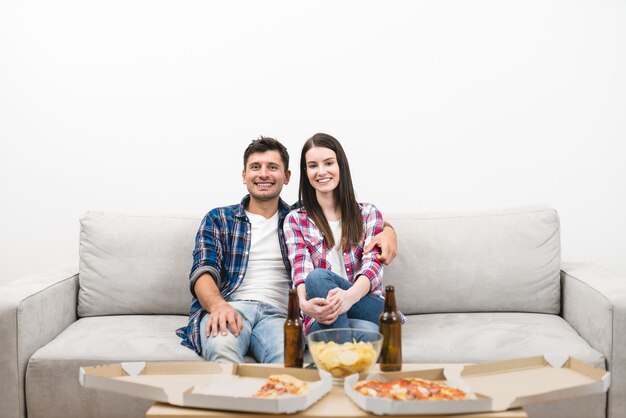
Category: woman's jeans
[363,314]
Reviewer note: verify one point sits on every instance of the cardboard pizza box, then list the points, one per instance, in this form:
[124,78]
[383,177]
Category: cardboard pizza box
[495,386]
[532,380]
[205,384]
[381,406]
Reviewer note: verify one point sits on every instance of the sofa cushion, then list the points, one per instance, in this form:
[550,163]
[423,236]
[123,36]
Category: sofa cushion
[135,264]
[494,261]
[120,338]
[481,337]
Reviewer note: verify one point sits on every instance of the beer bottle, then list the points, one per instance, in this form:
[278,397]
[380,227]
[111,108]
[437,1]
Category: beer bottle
[390,327]
[294,337]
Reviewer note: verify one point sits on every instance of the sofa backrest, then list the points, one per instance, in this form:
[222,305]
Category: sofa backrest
[477,262]
[135,264]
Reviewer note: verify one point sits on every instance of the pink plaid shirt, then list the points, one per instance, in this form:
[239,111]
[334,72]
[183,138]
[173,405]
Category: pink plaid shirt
[306,249]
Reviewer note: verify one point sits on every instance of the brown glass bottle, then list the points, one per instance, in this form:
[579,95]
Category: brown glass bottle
[294,337]
[390,326]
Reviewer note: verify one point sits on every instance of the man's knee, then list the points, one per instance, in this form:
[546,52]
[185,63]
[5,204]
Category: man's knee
[267,339]
[223,348]
[272,354]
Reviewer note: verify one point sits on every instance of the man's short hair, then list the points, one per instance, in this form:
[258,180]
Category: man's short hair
[263,144]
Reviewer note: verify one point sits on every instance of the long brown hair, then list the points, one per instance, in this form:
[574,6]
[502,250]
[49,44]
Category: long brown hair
[351,219]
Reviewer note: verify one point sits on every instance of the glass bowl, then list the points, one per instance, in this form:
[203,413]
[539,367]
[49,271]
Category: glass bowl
[344,351]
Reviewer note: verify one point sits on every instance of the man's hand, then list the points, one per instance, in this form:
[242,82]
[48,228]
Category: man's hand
[322,310]
[223,318]
[388,243]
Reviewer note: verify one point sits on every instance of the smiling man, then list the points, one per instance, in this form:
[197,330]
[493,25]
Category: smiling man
[240,275]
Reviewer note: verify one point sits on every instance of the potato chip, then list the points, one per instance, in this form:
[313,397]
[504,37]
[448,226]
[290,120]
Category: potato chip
[342,360]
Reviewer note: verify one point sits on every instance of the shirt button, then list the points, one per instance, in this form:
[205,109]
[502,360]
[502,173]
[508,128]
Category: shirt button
[246,253]
[348,269]
[241,276]
[248,232]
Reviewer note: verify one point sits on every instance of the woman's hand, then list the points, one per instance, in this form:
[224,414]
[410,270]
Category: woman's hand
[322,310]
[344,299]
[341,298]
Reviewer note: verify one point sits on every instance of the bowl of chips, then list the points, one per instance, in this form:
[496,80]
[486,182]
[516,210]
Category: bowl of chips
[344,351]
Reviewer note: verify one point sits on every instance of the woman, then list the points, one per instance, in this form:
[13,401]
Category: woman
[338,285]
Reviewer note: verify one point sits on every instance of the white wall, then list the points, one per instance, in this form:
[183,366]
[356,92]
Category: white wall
[441,106]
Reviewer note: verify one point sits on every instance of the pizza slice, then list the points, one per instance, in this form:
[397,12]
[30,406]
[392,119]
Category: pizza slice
[281,384]
[408,389]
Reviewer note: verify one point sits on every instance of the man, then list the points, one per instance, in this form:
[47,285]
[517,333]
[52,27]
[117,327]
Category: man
[241,274]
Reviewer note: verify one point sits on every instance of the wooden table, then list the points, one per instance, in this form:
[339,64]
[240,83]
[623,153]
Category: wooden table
[334,405]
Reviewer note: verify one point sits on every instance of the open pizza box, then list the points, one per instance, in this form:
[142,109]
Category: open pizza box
[496,386]
[206,385]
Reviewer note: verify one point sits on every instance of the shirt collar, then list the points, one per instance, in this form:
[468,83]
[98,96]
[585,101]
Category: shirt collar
[283,208]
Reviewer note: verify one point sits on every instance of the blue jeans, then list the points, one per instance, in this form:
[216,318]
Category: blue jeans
[364,314]
[262,335]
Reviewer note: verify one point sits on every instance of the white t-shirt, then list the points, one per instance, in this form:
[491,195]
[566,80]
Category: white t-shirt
[337,265]
[267,279]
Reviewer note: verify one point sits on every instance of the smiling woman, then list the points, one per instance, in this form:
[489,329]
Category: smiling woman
[336,281]
[323,174]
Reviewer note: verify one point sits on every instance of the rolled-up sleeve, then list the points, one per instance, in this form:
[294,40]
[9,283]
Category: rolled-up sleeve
[208,251]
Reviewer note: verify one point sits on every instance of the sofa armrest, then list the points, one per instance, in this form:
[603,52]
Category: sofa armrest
[33,311]
[594,303]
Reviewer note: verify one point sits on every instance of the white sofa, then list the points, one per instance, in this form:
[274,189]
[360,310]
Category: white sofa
[474,287]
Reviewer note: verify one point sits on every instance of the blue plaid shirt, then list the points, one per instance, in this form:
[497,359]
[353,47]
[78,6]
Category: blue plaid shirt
[222,247]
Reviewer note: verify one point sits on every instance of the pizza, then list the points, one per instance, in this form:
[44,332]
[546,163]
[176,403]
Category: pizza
[409,389]
[281,384]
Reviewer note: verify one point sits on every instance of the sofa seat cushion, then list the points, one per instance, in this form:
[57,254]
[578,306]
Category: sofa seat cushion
[481,337]
[120,338]
[53,370]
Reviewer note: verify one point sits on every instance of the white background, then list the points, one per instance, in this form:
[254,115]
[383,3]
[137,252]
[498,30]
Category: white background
[441,106]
